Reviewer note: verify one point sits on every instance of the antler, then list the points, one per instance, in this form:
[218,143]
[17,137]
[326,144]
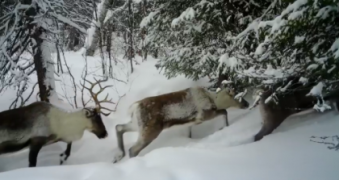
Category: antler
[95,95]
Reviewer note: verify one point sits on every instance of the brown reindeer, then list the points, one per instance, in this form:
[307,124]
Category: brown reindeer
[151,115]
[288,103]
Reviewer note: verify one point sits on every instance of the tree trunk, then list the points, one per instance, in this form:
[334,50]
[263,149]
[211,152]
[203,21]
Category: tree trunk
[156,52]
[109,31]
[103,62]
[221,77]
[143,32]
[130,35]
[74,39]
[91,46]
[40,66]
[40,55]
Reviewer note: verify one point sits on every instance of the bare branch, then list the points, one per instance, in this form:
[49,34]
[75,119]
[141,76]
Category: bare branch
[19,96]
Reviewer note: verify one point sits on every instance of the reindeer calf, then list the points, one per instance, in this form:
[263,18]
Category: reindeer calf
[41,123]
[189,106]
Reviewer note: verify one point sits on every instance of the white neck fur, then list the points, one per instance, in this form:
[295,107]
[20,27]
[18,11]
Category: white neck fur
[69,126]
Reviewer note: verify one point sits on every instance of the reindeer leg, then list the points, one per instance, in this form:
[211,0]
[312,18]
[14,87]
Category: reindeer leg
[36,144]
[190,132]
[147,135]
[224,113]
[120,130]
[336,105]
[269,125]
[64,156]
[198,120]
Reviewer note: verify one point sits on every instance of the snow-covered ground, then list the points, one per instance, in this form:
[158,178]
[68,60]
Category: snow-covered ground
[230,153]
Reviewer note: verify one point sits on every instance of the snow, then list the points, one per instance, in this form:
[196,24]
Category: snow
[331,69]
[270,71]
[316,46]
[111,13]
[256,97]
[217,90]
[226,82]
[229,153]
[293,11]
[67,21]
[230,62]
[241,94]
[293,7]
[259,49]
[303,80]
[296,14]
[317,89]
[312,66]
[325,12]
[188,14]
[48,64]
[146,20]
[335,48]
[90,31]
[299,39]
[321,107]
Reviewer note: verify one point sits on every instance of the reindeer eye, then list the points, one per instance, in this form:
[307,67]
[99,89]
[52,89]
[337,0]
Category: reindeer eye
[88,113]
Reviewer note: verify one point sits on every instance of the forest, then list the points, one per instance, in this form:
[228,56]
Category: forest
[280,55]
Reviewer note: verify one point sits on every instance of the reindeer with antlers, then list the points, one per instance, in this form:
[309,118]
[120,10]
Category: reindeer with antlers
[41,123]
[94,96]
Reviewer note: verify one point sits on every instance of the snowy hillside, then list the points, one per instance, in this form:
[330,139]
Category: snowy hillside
[287,154]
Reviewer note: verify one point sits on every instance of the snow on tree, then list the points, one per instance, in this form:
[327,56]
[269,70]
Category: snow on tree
[301,42]
[251,43]
[94,32]
[197,33]
[72,38]
[28,27]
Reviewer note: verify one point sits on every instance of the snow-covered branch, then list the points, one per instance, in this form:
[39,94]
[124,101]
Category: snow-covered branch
[67,21]
[26,32]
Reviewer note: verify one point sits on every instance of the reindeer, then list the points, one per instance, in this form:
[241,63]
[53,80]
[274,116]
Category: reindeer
[41,123]
[151,115]
[288,103]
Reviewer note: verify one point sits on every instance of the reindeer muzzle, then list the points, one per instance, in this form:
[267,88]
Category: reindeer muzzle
[101,135]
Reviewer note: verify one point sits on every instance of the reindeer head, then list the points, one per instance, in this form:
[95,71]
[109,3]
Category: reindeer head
[225,98]
[97,126]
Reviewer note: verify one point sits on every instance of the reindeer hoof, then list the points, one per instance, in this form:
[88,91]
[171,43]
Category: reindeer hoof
[63,158]
[258,138]
[118,157]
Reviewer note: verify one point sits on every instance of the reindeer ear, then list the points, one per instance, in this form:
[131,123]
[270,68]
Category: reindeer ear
[88,112]
[229,91]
